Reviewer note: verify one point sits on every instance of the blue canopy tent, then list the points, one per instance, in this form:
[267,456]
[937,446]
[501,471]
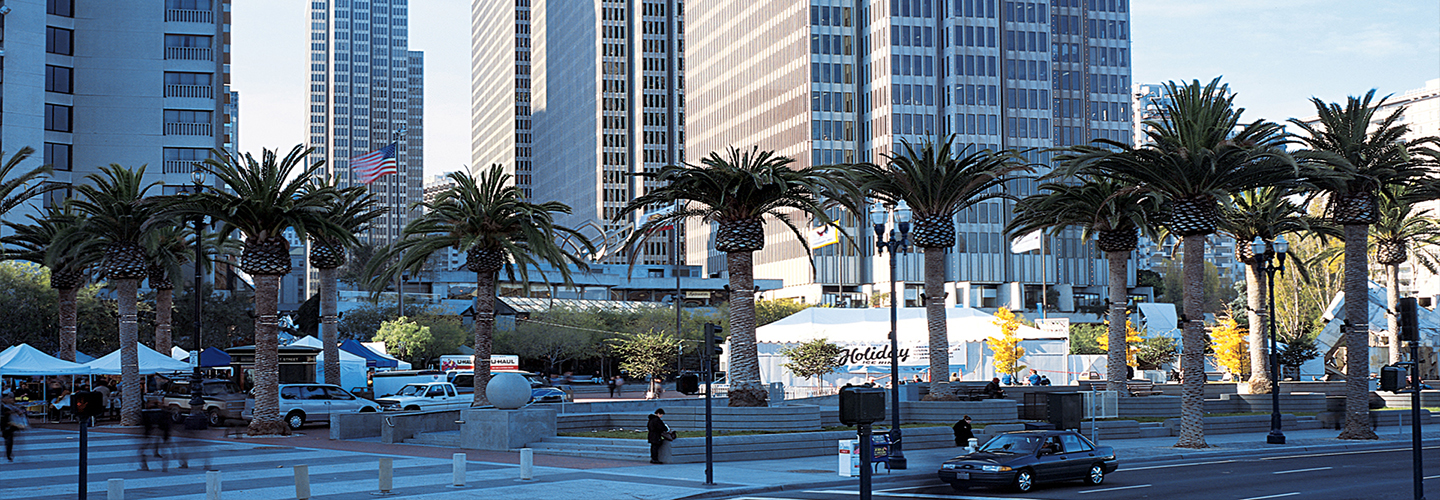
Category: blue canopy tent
[372,359]
[211,357]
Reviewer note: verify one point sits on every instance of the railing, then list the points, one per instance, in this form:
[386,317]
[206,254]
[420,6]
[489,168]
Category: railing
[179,166]
[189,16]
[203,129]
[189,53]
[199,91]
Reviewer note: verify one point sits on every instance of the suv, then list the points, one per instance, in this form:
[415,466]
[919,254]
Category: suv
[301,403]
[540,389]
[222,399]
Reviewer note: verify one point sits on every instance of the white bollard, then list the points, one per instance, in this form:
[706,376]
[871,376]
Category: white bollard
[116,489]
[973,445]
[302,482]
[212,485]
[527,464]
[387,475]
[458,470]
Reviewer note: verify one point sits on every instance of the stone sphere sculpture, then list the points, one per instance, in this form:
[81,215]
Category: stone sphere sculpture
[508,391]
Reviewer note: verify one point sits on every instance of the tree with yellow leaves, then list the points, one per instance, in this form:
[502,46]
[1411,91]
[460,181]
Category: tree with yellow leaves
[1232,348]
[1007,347]
[1134,340]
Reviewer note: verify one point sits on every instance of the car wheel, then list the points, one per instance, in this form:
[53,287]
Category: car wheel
[1024,480]
[212,417]
[367,409]
[1096,475]
[295,419]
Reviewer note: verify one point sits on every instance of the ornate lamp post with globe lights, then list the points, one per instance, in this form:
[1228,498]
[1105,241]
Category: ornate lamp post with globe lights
[1269,264]
[898,243]
[196,420]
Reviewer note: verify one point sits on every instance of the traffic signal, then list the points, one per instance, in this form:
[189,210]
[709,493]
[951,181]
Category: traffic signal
[714,336]
[861,405]
[88,404]
[688,383]
[1392,378]
[1409,320]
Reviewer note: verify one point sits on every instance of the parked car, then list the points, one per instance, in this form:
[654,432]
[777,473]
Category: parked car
[428,396]
[301,403]
[540,389]
[223,400]
[1022,459]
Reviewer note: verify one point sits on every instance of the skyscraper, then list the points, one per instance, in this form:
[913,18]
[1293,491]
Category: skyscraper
[831,81]
[578,97]
[136,83]
[366,91]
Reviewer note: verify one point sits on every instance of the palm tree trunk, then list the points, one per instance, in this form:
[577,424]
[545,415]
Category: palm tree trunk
[1392,298]
[266,419]
[1357,337]
[69,318]
[744,374]
[1192,353]
[329,326]
[935,318]
[1259,315]
[1115,356]
[131,385]
[164,307]
[484,308]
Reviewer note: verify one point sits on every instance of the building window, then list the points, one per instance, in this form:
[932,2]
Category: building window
[57,194]
[57,117]
[187,4]
[59,79]
[64,8]
[188,122]
[188,47]
[59,41]
[57,156]
[183,160]
[189,85]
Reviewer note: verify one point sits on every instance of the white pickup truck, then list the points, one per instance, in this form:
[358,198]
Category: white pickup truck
[426,396]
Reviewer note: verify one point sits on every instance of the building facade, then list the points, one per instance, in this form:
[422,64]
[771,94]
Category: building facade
[832,81]
[579,99]
[366,92]
[89,83]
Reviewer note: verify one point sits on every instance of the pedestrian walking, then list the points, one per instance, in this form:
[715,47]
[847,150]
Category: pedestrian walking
[963,432]
[612,385]
[657,433]
[620,386]
[12,420]
[157,435]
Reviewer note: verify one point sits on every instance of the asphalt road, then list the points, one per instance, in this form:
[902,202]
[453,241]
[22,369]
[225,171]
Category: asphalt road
[1345,475]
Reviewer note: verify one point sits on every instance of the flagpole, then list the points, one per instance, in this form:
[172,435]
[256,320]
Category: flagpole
[399,168]
[1044,278]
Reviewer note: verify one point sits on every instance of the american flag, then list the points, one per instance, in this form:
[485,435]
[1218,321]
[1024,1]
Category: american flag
[372,165]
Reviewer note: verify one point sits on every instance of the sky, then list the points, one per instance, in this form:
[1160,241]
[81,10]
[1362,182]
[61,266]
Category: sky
[1274,54]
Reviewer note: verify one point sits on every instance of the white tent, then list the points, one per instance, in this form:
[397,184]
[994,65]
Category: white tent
[352,367]
[25,360]
[151,362]
[863,335]
[178,353]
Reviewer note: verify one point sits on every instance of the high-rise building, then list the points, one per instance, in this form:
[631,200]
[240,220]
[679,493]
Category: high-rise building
[577,99]
[366,92]
[831,81]
[136,83]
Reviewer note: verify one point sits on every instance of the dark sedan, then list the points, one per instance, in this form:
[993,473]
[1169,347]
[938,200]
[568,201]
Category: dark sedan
[1022,459]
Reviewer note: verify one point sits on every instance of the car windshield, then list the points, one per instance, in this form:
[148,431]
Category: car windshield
[218,389]
[1011,443]
[411,390]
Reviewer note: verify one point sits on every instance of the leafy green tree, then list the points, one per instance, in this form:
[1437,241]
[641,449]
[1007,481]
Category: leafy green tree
[1298,349]
[1156,351]
[650,353]
[1152,279]
[31,303]
[414,341]
[225,321]
[50,242]
[770,311]
[813,358]
[1085,338]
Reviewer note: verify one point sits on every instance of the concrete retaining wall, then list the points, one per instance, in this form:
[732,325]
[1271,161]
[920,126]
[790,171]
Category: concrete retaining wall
[1213,390]
[1238,403]
[1427,399]
[1237,424]
[356,425]
[397,427]
[806,444]
[1149,406]
[948,412]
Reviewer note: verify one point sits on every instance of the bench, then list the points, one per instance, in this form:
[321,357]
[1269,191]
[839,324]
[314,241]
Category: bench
[1136,387]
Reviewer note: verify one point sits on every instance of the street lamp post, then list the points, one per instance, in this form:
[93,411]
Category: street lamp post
[196,420]
[897,244]
[1269,265]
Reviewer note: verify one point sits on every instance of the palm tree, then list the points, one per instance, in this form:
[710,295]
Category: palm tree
[1265,213]
[168,248]
[350,211]
[1113,213]
[490,219]
[936,184]
[16,190]
[120,218]
[736,192]
[48,241]
[1402,232]
[1362,155]
[262,200]
[1195,156]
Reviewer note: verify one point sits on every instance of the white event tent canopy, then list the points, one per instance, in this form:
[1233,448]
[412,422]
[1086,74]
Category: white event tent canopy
[352,367]
[25,360]
[863,336]
[150,360]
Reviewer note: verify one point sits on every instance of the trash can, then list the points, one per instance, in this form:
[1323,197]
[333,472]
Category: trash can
[1065,409]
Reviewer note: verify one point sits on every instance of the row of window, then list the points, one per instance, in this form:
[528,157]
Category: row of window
[976,95]
[832,156]
[829,16]
[63,8]
[832,101]
[915,124]
[1026,98]
[918,95]
[913,36]
[1033,128]
[831,44]
[1027,70]
[1025,41]
[975,65]
[975,36]
[832,130]
[912,65]
[973,124]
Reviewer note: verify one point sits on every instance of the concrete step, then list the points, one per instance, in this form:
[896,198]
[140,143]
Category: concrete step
[608,448]
[449,439]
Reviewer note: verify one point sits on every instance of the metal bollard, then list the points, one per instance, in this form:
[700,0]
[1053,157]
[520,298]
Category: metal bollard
[387,475]
[527,464]
[212,485]
[302,482]
[457,472]
[973,445]
[116,489]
